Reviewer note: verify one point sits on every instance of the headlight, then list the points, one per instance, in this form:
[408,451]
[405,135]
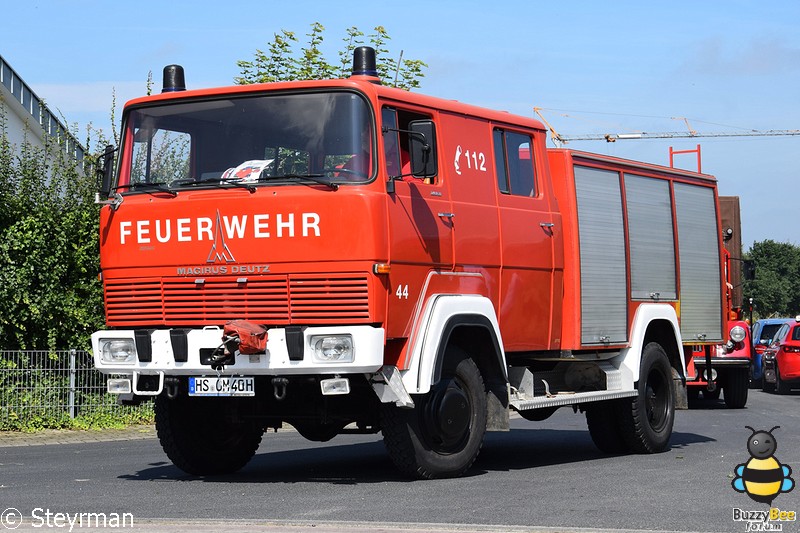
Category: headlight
[117,351]
[738,333]
[332,348]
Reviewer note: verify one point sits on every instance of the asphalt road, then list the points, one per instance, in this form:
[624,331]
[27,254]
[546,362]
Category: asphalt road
[540,475]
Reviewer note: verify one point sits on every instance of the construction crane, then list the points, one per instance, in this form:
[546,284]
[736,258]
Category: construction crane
[690,133]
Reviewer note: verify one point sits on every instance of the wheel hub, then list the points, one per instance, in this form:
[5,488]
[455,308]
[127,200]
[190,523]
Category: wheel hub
[656,401]
[448,416]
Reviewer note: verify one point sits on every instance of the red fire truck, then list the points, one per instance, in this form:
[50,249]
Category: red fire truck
[342,256]
[728,366]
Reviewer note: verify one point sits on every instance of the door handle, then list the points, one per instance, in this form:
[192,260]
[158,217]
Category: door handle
[546,224]
[447,215]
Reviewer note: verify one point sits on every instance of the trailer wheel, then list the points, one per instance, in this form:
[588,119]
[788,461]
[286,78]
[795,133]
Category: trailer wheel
[737,383]
[604,427]
[442,435]
[646,420]
[199,438]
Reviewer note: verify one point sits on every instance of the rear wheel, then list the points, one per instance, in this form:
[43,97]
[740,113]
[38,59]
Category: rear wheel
[737,383]
[200,436]
[646,421]
[781,387]
[603,420]
[442,435]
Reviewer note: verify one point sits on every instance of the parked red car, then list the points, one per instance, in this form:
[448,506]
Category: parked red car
[782,359]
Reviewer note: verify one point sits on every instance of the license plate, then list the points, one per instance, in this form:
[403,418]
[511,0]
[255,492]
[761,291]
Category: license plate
[222,386]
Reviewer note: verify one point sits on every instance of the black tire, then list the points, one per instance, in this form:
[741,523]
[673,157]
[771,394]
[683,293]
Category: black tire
[736,387]
[781,387]
[712,395]
[767,386]
[693,394]
[199,438]
[442,435]
[603,419]
[646,420]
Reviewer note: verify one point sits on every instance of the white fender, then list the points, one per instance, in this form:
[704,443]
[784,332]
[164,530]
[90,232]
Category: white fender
[630,358]
[439,309]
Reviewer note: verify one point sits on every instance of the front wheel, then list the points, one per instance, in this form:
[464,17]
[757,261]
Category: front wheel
[200,437]
[442,435]
[737,383]
[646,420]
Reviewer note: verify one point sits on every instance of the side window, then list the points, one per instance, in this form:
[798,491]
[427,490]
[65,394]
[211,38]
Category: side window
[395,125]
[500,161]
[391,141]
[514,163]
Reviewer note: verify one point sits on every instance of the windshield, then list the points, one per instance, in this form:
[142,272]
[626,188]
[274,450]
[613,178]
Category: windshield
[318,137]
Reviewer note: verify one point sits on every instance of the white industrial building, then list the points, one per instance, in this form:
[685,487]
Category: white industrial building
[24,118]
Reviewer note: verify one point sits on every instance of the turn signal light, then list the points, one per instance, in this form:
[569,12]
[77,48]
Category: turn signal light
[381,268]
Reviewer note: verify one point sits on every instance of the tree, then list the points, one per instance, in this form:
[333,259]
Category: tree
[50,297]
[281,63]
[776,287]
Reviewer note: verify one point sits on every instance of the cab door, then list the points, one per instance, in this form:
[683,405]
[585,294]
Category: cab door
[420,222]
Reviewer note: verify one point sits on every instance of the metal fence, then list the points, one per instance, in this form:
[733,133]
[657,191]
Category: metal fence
[41,389]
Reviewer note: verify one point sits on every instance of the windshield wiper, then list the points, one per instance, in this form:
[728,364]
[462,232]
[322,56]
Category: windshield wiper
[157,186]
[316,178]
[215,181]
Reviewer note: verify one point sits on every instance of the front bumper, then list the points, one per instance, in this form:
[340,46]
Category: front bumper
[717,364]
[173,352]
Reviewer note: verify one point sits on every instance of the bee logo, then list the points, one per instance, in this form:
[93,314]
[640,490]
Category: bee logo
[762,477]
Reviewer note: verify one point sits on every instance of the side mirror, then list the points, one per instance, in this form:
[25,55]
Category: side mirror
[107,170]
[422,148]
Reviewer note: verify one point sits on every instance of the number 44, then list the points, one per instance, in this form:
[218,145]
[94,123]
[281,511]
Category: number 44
[402,292]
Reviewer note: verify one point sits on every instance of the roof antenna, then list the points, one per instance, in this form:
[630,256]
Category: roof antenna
[397,70]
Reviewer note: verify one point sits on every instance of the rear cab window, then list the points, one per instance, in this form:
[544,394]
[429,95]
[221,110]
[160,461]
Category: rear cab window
[514,163]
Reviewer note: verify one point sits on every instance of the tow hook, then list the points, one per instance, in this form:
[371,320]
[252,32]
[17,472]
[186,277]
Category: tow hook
[710,376]
[710,373]
[171,387]
[279,388]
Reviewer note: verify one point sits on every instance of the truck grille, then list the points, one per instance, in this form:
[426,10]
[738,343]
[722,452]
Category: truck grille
[274,300]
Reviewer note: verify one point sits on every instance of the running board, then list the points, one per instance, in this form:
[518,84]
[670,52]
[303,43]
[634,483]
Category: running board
[566,384]
[562,399]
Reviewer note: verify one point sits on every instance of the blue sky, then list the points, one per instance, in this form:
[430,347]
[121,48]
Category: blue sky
[594,67]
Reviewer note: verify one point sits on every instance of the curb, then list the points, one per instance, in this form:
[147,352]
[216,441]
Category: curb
[75,436]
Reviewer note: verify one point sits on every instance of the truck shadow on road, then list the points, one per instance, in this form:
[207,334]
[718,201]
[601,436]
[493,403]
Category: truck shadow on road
[360,462]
